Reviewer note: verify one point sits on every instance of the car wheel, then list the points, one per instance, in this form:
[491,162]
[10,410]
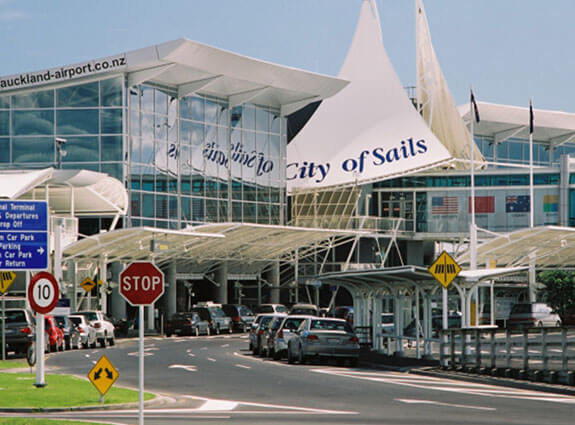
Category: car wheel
[112,341]
[103,342]
[68,344]
[353,362]
[168,334]
[290,357]
[52,348]
[251,347]
[301,358]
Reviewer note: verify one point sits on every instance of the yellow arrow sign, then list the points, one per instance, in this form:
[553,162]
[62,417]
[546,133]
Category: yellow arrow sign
[6,279]
[445,269]
[88,284]
[103,375]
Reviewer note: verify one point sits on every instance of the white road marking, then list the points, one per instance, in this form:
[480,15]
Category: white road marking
[280,407]
[211,359]
[438,403]
[242,366]
[218,405]
[189,368]
[447,385]
[137,353]
[225,345]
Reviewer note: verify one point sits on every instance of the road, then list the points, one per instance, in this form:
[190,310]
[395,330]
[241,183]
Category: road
[216,380]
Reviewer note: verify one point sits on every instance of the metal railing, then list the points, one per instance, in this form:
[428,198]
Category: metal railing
[534,353]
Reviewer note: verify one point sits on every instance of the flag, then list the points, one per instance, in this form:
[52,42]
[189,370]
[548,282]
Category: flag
[444,205]
[483,204]
[550,203]
[530,116]
[474,106]
[519,203]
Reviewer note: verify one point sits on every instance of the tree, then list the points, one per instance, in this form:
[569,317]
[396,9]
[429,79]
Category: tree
[558,291]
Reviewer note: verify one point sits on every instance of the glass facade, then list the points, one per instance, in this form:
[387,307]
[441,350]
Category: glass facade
[88,116]
[190,160]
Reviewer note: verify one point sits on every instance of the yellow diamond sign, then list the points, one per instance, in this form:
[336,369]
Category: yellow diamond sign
[6,279]
[445,269]
[103,375]
[88,284]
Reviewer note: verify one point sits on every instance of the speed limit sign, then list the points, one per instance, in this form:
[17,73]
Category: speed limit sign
[43,293]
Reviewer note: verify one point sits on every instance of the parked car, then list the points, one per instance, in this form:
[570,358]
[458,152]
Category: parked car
[306,309]
[20,325]
[277,345]
[266,340]
[344,312]
[453,321]
[206,316]
[257,331]
[272,308]
[86,337]
[241,315]
[525,315]
[54,335]
[68,328]
[187,323]
[104,327]
[320,337]
[387,324]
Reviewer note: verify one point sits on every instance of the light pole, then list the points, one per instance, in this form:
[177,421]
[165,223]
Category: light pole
[60,152]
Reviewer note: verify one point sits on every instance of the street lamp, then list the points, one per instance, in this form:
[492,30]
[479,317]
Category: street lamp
[60,152]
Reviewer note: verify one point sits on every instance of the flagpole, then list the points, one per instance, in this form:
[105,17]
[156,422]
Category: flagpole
[531,200]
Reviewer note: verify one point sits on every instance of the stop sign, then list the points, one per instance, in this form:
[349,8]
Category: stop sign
[141,283]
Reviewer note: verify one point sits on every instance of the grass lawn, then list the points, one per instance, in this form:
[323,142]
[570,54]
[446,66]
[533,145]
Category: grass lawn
[12,364]
[29,421]
[18,390]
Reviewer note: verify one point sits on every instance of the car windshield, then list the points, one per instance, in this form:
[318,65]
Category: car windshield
[292,323]
[266,309]
[265,321]
[281,309]
[387,319]
[15,316]
[76,320]
[304,310]
[204,314]
[521,308]
[244,311]
[89,315]
[218,312]
[329,325]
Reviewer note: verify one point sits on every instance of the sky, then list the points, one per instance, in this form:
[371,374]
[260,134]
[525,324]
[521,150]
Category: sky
[508,50]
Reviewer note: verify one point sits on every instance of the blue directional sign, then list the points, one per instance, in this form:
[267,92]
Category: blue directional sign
[23,235]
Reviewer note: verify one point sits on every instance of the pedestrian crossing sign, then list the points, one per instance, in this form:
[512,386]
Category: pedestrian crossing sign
[445,269]
[103,375]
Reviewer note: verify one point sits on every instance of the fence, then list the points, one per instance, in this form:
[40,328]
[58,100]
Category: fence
[537,353]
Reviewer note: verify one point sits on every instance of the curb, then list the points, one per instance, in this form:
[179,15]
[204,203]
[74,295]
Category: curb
[499,381]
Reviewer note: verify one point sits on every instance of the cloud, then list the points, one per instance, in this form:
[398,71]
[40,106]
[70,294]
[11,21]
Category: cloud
[8,14]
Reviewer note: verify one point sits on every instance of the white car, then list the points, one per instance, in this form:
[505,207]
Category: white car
[85,337]
[104,328]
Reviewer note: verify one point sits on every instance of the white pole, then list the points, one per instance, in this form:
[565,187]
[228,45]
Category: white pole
[40,379]
[531,200]
[141,366]
[444,324]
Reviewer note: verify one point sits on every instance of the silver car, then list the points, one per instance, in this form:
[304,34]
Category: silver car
[322,337]
[278,343]
[86,335]
[257,331]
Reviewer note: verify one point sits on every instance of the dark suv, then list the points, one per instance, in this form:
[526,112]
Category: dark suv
[242,317]
[20,325]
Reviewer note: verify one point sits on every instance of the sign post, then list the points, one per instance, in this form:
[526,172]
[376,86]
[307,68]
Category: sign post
[444,269]
[43,294]
[141,284]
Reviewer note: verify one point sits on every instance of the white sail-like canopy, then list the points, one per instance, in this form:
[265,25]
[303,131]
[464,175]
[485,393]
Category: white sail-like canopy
[434,98]
[369,131]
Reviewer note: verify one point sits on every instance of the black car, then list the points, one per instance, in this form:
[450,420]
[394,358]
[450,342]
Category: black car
[241,315]
[186,324]
[20,325]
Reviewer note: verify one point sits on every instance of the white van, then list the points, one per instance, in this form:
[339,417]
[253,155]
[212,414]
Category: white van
[527,315]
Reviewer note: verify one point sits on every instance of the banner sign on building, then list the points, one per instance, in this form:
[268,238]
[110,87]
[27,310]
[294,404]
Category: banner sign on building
[68,72]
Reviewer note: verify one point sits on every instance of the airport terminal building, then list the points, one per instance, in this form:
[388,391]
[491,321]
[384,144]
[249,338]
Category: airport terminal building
[198,139]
